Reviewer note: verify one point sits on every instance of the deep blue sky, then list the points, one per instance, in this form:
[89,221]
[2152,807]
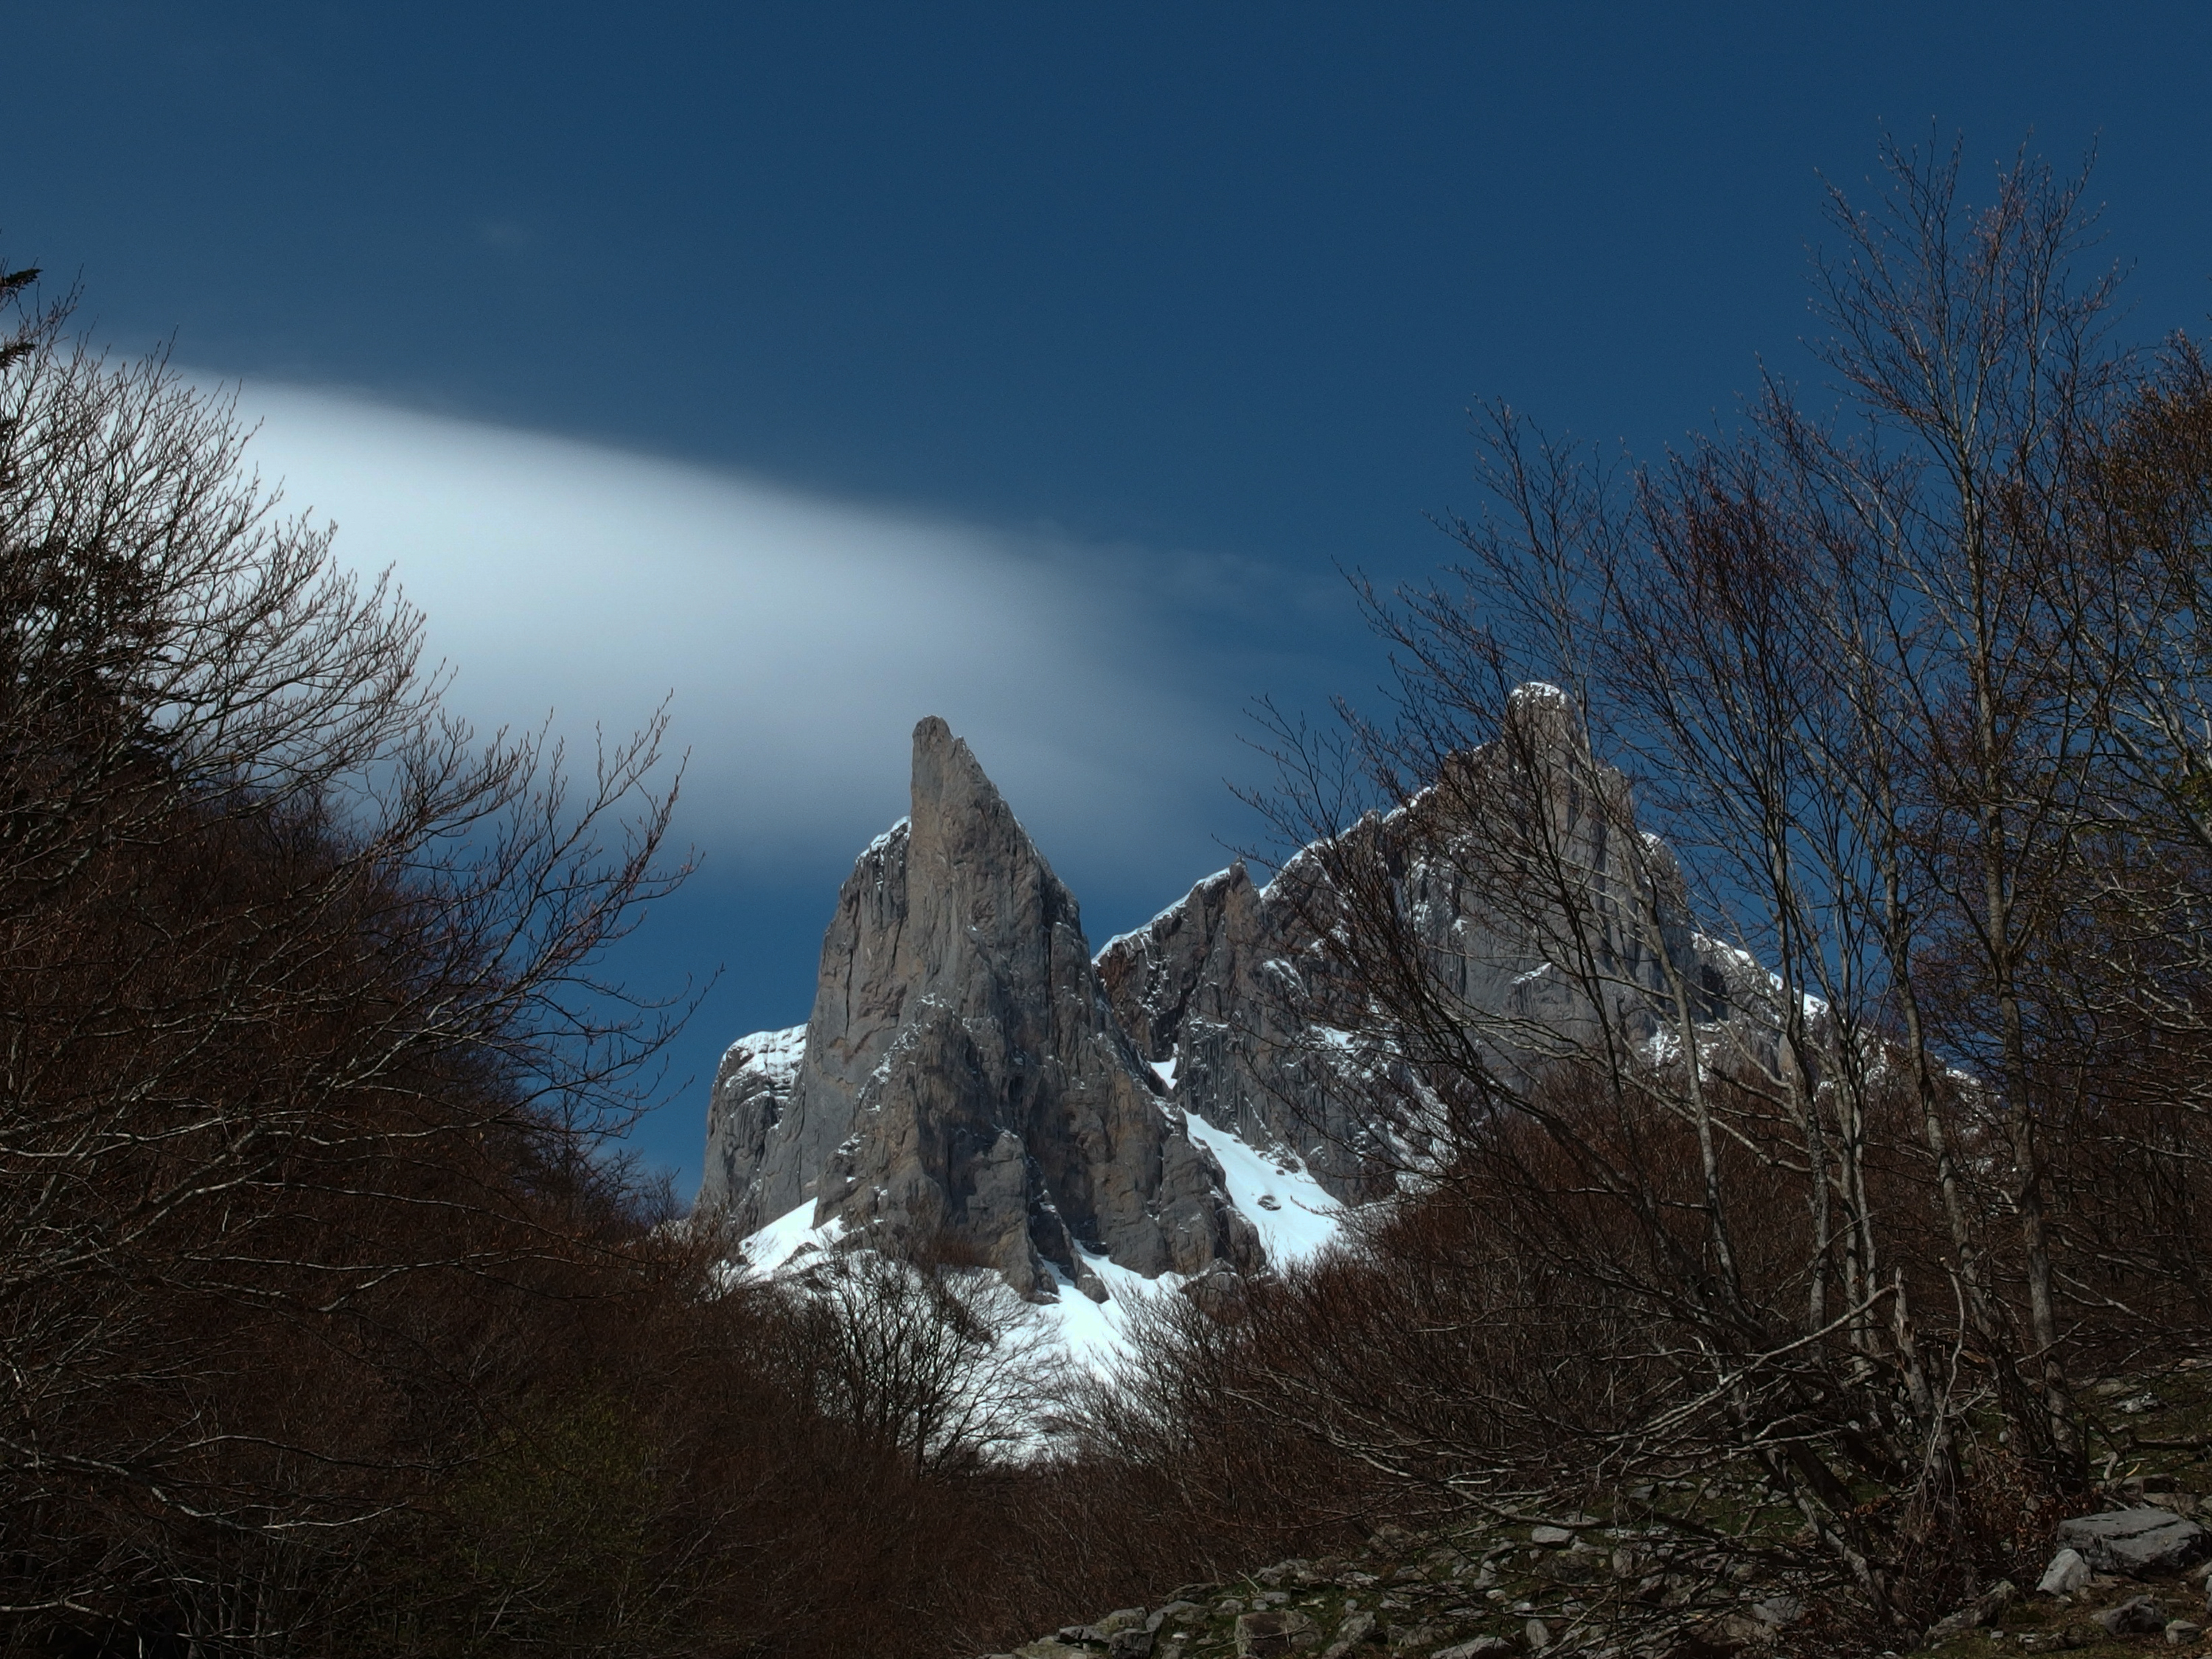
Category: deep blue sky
[1167,309]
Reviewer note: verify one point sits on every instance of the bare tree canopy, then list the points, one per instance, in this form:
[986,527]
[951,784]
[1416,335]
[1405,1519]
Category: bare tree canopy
[300,1033]
[334,1318]
[1846,770]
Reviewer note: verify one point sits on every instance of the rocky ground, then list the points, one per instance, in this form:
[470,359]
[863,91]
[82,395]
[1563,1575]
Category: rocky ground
[1469,1594]
[2130,1575]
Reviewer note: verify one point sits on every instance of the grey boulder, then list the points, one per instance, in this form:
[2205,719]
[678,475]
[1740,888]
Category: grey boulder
[1268,1635]
[2140,1543]
[2067,1573]
[2141,1616]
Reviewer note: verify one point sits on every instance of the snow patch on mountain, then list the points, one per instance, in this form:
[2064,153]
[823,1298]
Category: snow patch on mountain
[789,1240]
[776,1055]
[1297,1219]
[1094,1335]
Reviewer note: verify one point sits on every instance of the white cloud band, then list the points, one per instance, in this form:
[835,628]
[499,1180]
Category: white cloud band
[802,637]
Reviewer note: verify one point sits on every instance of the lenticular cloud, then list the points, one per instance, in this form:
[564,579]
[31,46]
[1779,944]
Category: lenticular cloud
[801,637]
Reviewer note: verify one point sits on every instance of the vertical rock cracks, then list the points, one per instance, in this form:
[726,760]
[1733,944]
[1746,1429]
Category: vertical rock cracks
[963,1079]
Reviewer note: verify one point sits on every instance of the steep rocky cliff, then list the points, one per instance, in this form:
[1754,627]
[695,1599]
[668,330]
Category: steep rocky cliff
[962,1078]
[1229,993]
[969,1076]
[1218,993]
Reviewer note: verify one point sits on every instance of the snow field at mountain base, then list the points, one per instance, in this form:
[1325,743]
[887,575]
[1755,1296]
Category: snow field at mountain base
[1295,1218]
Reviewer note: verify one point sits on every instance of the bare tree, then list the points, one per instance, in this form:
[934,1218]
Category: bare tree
[926,1354]
[1909,695]
[298,1025]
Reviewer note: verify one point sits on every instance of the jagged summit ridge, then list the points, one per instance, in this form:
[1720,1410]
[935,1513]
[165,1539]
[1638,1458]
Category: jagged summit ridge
[961,1077]
[1231,991]
[970,1075]
[1212,991]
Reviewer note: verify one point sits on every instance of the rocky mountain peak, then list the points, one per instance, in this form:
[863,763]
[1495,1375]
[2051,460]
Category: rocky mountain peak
[952,799]
[963,1082]
[970,1079]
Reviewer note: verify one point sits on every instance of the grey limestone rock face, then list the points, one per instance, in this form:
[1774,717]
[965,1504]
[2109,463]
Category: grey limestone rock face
[752,1087]
[1232,987]
[1218,985]
[963,1080]
[970,1075]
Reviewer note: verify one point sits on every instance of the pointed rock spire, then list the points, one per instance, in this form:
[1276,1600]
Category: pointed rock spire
[964,1083]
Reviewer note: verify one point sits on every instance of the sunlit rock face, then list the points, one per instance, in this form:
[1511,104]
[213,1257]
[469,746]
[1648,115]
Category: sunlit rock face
[970,1078]
[1224,992]
[1231,992]
[964,1081]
